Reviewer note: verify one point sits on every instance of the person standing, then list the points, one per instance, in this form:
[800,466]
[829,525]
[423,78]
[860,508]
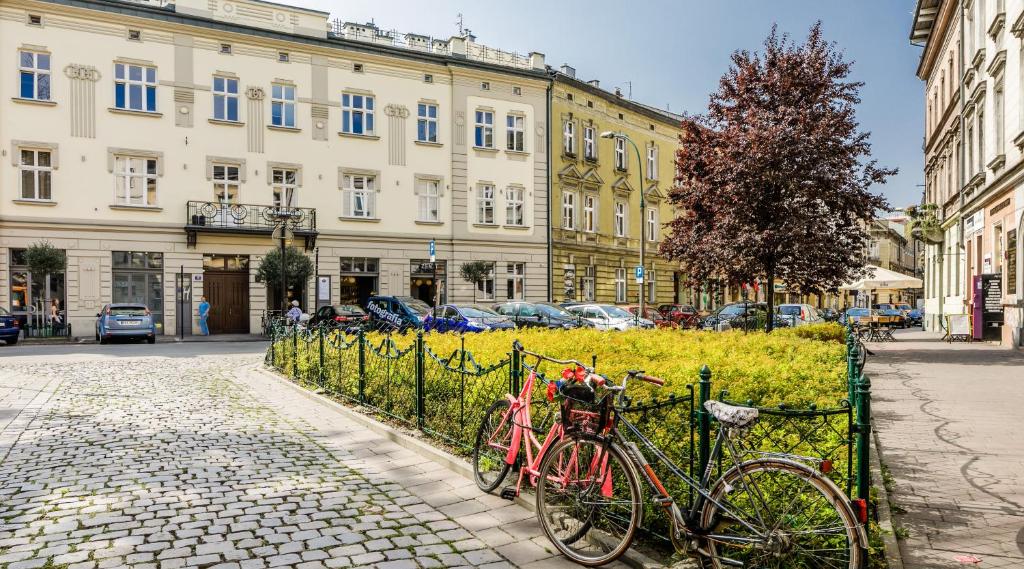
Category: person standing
[294,313]
[204,314]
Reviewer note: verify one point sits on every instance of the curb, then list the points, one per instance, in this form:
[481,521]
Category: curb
[892,547]
[632,558]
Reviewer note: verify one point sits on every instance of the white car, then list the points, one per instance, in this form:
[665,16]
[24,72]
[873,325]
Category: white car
[609,317]
[800,314]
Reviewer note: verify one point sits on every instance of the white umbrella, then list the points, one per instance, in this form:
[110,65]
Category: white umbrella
[879,278]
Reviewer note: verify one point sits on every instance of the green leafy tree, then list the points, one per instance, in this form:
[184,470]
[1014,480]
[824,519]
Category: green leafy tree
[297,265]
[475,272]
[45,260]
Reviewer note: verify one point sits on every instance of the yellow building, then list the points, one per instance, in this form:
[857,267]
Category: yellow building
[596,218]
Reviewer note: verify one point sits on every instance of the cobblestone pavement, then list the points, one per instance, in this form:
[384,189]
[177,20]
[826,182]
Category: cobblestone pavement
[948,418]
[202,462]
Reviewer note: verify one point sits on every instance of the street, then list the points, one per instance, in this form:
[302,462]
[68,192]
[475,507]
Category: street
[947,418]
[185,455]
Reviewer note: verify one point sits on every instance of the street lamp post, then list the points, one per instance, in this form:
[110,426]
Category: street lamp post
[643,212]
[285,220]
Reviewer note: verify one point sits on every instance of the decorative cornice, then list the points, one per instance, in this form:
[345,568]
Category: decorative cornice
[979,58]
[997,64]
[997,23]
[1017,29]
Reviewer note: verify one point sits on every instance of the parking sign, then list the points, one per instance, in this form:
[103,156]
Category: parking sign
[433,250]
[639,272]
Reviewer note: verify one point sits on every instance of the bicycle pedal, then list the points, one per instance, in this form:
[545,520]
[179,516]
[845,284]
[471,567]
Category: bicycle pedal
[509,492]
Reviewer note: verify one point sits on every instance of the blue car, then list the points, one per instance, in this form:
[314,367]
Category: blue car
[125,321]
[466,318]
[10,328]
[396,313]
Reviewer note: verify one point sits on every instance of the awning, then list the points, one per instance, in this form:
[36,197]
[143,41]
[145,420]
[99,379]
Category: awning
[879,278]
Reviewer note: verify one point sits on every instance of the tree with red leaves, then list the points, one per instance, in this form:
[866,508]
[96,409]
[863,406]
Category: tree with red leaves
[773,181]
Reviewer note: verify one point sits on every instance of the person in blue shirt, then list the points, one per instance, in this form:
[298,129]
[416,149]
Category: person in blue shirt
[204,313]
[294,313]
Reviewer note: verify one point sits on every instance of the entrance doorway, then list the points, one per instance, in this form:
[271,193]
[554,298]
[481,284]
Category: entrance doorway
[358,280]
[422,282]
[226,287]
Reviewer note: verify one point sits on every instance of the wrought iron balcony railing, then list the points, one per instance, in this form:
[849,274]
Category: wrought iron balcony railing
[215,217]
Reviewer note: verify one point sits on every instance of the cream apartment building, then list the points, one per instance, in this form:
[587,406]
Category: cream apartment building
[153,141]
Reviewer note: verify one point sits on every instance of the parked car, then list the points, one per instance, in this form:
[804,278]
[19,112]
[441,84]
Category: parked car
[895,317]
[339,316]
[401,313]
[10,328]
[125,320]
[740,315]
[466,318]
[830,314]
[683,314]
[856,315]
[916,317]
[538,315]
[609,317]
[799,314]
[652,314]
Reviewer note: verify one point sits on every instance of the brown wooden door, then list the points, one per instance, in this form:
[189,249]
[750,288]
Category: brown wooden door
[228,294]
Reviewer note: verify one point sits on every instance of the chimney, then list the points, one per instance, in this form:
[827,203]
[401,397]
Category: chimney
[568,71]
[618,92]
[594,83]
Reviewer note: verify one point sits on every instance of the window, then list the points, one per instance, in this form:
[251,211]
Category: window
[225,48]
[650,283]
[34,69]
[429,196]
[485,287]
[486,86]
[134,181]
[590,213]
[38,293]
[568,210]
[589,147]
[588,282]
[620,153]
[283,57]
[515,206]
[282,105]
[516,133]
[134,35]
[357,114]
[620,219]
[426,122]
[569,138]
[428,78]
[357,67]
[981,141]
[357,196]
[515,281]
[284,182]
[484,133]
[516,90]
[225,183]
[485,204]
[620,285]
[36,169]
[135,87]
[652,162]
[569,96]
[970,148]
[652,224]
[35,20]
[225,99]
[999,110]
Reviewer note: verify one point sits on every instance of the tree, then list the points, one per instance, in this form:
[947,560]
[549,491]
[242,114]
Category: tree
[298,268]
[773,180]
[474,272]
[45,260]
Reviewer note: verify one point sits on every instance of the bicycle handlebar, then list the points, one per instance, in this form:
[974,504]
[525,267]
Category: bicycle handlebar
[517,346]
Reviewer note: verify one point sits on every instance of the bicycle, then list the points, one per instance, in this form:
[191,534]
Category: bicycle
[770,511]
[507,432]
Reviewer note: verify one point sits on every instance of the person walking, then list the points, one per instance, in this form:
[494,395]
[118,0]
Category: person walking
[294,313]
[204,314]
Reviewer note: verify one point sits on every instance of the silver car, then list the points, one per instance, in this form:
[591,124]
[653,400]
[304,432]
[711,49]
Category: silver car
[609,317]
[125,320]
[799,314]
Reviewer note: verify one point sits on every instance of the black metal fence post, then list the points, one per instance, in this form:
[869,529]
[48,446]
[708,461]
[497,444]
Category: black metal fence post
[704,419]
[361,338]
[853,373]
[321,376]
[863,437]
[295,353]
[420,381]
[273,347]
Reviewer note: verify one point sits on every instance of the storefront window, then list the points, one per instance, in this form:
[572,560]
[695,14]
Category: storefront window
[358,280]
[138,279]
[424,279]
[39,300]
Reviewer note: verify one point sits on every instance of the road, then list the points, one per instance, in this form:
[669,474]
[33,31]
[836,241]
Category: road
[185,455]
[948,419]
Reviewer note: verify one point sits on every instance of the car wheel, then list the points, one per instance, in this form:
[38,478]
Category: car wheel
[104,340]
[97,335]
[151,340]
[12,341]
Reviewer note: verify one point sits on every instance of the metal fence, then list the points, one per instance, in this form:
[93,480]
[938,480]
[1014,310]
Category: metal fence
[445,396]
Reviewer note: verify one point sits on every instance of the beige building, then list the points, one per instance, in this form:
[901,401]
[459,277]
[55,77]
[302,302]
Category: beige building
[153,141]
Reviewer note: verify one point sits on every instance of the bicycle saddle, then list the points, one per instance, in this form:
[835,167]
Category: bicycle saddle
[731,415]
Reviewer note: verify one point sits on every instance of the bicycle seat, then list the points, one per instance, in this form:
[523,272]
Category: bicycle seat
[731,415]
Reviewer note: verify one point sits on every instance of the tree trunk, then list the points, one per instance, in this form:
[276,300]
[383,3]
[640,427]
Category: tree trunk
[769,295]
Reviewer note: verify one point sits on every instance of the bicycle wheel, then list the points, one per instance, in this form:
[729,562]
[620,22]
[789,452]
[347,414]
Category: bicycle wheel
[588,500]
[772,513]
[493,438]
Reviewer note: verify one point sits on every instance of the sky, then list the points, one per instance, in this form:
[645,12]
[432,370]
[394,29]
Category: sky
[673,52]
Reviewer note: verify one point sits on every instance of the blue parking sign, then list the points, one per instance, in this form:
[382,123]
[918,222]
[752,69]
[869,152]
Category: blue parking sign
[433,250]
[639,274]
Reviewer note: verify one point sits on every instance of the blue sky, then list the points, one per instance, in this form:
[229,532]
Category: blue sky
[673,52]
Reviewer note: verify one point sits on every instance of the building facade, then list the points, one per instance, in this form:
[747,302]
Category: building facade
[973,68]
[596,219]
[893,247]
[153,142]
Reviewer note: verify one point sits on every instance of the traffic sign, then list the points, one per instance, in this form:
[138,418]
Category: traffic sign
[639,272]
[433,251]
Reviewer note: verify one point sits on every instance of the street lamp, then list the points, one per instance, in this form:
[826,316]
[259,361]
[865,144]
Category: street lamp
[643,210]
[285,220]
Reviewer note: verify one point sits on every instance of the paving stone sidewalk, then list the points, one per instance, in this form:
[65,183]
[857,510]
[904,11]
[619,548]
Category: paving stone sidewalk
[948,418]
[202,462]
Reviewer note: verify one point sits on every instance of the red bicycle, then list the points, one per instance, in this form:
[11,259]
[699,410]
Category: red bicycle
[507,429]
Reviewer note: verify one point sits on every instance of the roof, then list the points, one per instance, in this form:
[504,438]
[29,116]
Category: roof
[648,111]
[924,19]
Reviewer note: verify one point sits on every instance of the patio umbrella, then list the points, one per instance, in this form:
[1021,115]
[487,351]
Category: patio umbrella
[878,277]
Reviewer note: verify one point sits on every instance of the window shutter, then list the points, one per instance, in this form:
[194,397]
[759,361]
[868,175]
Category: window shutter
[346,203]
[597,213]
[371,201]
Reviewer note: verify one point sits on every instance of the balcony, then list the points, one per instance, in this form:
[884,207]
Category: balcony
[246,219]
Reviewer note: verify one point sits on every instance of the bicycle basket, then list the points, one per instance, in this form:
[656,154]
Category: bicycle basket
[581,411]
